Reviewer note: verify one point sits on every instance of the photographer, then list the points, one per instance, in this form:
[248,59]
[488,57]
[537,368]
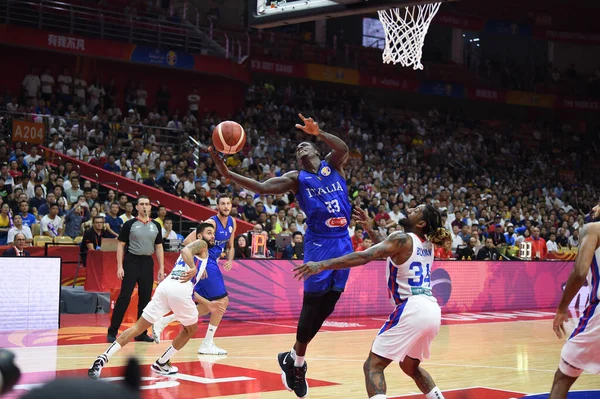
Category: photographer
[74,218]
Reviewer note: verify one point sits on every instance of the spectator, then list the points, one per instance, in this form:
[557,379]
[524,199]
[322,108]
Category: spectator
[488,252]
[45,208]
[162,214]
[551,243]
[561,240]
[295,250]
[194,101]
[366,244]
[538,244]
[456,238]
[27,218]
[128,212]
[467,252]
[74,192]
[51,224]
[113,220]
[242,249]
[18,248]
[47,85]
[167,230]
[75,217]
[17,228]
[357,238]
[111,166]
[92,238]
[510,235]
[31,84]
[445,251]
[574,239]
[5,223]
[498,236]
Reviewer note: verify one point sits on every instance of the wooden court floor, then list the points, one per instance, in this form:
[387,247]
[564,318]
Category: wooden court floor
[516,356]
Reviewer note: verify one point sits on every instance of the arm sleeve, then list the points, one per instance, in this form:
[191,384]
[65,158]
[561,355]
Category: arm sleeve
[159,236]
[124,234]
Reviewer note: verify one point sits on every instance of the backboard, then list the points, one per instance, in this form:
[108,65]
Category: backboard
[272,13]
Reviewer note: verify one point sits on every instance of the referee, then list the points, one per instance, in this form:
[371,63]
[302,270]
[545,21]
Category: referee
[138,240]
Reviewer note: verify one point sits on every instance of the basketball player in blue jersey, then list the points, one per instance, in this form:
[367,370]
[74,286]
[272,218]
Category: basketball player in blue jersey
[212,287]
[581,352]
[174,294]
[320,188]
[407,334]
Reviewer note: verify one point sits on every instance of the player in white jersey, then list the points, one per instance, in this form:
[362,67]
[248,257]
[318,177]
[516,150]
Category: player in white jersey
[581,352]
[175,293]
[415,321]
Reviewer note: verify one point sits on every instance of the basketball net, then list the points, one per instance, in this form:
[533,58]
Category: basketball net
[405,29]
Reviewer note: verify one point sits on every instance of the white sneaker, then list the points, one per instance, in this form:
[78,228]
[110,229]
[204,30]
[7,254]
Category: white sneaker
[164,369]
[211,349]
[157,328]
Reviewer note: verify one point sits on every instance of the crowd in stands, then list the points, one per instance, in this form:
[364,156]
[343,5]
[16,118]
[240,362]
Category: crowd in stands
[496,182]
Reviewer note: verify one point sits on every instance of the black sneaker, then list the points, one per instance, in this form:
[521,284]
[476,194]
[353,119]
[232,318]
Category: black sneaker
[286,363]
[144,338]
[96,369]
[300,384]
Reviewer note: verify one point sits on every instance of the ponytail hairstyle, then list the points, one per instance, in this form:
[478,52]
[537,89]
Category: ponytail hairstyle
[434,231]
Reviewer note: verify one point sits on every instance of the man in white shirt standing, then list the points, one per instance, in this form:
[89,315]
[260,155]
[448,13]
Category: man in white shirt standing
[47,81]
[194,100]
[33,157]
[80,86]
[65,87]
[51,225]
[551,243]
[19,228]
[142,96]
[31,84]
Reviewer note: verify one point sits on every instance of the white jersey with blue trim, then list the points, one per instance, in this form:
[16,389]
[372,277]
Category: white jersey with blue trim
[413,277]
[593,278]
[182,267]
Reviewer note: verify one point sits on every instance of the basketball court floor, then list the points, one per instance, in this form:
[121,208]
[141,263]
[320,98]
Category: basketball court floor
[487,356]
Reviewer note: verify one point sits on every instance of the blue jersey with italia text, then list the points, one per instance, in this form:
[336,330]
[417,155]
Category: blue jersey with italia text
[323,196]
[222,235]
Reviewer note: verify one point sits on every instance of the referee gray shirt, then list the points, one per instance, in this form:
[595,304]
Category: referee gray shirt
[141,237]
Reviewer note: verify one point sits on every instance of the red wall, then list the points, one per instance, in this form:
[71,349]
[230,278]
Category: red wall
[230,93]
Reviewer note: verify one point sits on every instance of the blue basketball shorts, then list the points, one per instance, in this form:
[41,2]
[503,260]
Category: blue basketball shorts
[318,249]
[213,286]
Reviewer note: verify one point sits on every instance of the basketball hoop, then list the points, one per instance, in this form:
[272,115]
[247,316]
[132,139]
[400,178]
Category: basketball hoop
[405,29]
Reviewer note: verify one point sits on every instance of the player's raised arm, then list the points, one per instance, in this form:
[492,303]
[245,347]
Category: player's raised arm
[340,152]
[397,243]
[362,217]
[275,185]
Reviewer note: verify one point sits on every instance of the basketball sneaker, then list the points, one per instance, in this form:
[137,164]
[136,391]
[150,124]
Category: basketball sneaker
[157,329]
[210,349]
[96,369]
[164,369]
[286,363]
[300,384]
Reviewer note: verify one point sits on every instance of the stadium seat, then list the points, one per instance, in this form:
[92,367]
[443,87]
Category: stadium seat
[78,240]
[35,229]
[63,240]
[40,241]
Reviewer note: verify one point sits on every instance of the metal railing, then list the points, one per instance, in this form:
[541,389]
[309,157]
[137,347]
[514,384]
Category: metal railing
[110,25]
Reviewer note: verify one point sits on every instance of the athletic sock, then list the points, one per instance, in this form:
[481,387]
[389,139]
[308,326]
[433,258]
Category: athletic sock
[210,334]
[167,355]
[435,394]
[112,349]
[169,319]
[293,354]
[299,361]
[379,396]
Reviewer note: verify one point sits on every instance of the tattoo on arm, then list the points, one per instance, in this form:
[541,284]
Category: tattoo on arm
[197,246]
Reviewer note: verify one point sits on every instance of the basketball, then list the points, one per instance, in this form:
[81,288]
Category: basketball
[229,137]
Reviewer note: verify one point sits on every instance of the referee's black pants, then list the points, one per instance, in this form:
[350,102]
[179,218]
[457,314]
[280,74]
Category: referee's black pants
[139,269]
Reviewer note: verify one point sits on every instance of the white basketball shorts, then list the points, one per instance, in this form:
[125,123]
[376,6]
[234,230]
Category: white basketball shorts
[409,330]
[172,295]
[582,349]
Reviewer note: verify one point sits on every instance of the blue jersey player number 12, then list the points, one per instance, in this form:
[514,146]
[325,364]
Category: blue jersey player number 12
[321,191]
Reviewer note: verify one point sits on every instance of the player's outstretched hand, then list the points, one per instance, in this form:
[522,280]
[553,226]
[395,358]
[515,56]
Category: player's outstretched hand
[307,269]
[311,127]
[559,323]
[219,163]
[216,307]
[361,216]
[227,266]
[187,276]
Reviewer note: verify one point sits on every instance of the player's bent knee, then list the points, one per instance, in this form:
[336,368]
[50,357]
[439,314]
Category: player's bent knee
[410,366]
[567,370]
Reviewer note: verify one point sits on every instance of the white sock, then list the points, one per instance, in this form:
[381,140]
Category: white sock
[167,355]
[169,319]
[210,333]
[435,394]
[299,361]
[112,349]
[379,396]
[293,354]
